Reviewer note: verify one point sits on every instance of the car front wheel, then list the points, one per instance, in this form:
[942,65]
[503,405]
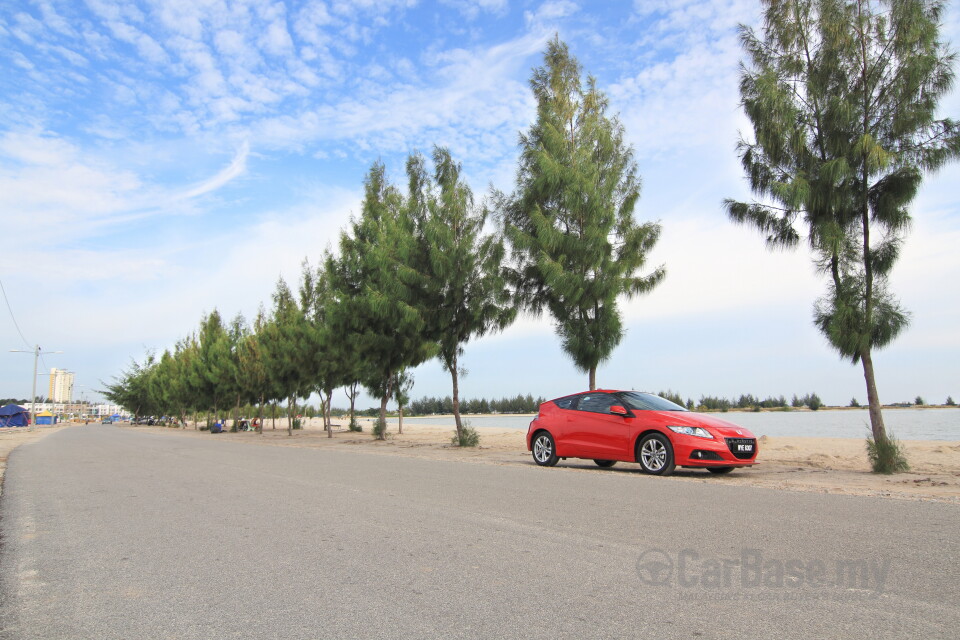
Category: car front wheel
[655,455]
[544,451]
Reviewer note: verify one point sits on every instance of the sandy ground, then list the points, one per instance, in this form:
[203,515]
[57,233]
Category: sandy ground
[823,465]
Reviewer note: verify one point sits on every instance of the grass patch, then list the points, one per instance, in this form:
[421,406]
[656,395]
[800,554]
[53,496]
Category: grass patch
[466,437]
[886,456]
[380,429]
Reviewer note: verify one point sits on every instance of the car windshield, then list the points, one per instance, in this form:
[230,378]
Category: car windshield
[647,402]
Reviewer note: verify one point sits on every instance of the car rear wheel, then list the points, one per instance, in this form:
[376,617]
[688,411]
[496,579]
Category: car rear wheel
[605,464]
[544,451]
[655,455]
[720,470]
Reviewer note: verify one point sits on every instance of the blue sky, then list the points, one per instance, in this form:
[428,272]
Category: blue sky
[162,158]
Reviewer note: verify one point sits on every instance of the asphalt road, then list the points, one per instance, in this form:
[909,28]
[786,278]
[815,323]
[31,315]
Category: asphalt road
[110,533]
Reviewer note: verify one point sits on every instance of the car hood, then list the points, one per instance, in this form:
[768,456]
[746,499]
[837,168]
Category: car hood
[690,419]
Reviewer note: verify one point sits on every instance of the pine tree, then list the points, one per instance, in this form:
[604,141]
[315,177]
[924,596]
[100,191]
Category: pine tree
[842,97]
[576,245]
[330,363]
[463,293]
[374,288]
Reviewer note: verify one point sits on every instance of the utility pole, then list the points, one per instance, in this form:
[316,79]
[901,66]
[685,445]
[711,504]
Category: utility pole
[33,396]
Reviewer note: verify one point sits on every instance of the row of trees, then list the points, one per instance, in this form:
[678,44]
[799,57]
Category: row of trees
[444,406]
[417,274]
[842,98]
[745,401]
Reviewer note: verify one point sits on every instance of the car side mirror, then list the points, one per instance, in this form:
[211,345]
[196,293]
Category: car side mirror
[617,410]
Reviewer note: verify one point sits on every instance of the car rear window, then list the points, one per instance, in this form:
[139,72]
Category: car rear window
[566,403]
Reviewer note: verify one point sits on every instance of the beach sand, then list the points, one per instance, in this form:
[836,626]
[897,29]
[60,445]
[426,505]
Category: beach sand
[822,465]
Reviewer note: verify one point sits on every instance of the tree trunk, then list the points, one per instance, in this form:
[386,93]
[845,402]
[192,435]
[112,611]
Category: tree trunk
[352,394]
[383,416]
[260,416]
[327,416]
[455,376]
[873,398]
[291,407]
[593,377]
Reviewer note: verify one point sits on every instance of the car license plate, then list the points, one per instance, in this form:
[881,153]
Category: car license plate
[744,447]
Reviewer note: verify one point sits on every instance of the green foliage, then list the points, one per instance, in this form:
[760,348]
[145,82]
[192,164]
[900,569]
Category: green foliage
[354,425]
[575,244]
[380,428]
[444,406]
[462,289]
[132,389]
[919,401]
[842,98]
[376,290]
[854,402]
[467,436]
[950,402]
[886,455]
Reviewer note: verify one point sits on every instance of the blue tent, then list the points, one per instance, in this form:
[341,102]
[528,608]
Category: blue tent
[13,415]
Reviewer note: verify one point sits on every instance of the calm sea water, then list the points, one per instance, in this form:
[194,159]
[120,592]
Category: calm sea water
[905,424]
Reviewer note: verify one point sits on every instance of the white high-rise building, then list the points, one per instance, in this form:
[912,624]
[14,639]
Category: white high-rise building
[61,385]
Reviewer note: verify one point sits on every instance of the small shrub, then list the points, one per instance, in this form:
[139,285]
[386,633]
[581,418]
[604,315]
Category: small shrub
[354,425]
[854,403]
[886,456]
[467,438]
[205,427]
[814,402]
[297,423]
[950,402]
[919,401]
[379,429]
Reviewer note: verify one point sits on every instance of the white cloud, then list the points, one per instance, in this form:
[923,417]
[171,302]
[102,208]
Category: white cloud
[236,168]
[549,12]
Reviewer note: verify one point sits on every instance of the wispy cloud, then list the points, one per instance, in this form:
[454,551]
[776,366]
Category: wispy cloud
[235,169]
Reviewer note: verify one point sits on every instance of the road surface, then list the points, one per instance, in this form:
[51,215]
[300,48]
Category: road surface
[113,533]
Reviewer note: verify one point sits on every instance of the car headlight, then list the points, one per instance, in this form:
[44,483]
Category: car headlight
[698,432]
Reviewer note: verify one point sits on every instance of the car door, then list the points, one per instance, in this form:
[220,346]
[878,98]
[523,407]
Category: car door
[604,436]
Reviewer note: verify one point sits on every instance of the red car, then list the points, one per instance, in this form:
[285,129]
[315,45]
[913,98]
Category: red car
[629,426]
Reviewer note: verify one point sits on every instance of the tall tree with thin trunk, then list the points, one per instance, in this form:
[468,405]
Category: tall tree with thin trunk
[374,290]
[842,96]
[329,362]
[576,245]
[464,291]
[284,340]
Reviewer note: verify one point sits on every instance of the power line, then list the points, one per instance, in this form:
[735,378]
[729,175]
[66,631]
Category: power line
[7,300]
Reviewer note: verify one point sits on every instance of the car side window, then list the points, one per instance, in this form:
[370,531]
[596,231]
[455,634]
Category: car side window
[566,403]
[597,402]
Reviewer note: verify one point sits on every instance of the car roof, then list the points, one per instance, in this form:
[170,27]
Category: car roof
[580,393]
